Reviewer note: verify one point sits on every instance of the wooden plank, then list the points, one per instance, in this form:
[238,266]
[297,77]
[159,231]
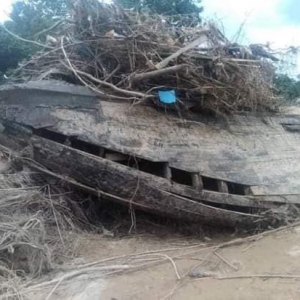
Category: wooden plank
[48,94]
[222,186]
[188,47]
[244,149]
[277,190]
[133,185]
[242,154]
[197,181]
[167,173]
[262,202]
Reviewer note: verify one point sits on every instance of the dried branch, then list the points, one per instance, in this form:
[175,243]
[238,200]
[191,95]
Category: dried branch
[190,46]
[113,87]
[199,63]
[25,40]
[49,29]
[149,75]
[258,276]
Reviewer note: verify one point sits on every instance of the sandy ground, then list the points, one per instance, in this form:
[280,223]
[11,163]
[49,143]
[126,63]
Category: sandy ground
[266,268]
[277,254]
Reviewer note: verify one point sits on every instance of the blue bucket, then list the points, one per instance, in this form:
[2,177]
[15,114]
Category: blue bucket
[167,96]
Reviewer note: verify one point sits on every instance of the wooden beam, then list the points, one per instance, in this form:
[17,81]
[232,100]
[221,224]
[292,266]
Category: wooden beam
[152,74]
[222,186]
[197,181]
[167,171]
[188,47]
[246,201]
[136,187]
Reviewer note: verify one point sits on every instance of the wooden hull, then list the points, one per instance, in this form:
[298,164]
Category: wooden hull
[200,169]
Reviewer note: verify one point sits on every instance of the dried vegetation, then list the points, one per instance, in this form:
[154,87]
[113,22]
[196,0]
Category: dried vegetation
[124,55]
[33,223]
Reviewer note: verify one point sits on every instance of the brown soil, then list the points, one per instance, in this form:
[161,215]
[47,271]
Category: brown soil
[276,254]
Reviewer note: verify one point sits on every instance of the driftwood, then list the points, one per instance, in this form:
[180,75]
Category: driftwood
[188,47]
[152,74]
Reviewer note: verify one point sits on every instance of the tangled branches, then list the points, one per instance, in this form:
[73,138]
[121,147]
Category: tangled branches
[126,55]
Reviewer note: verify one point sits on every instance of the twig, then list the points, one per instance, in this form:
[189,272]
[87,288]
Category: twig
[248,248]
[112,86]
[94,89]
[55,288]
[9,272]
[256,236]
[55,218]
[131,209]
[108,77]
[25,40]
[258,276]
[226,261]
[50,28]
[172,262]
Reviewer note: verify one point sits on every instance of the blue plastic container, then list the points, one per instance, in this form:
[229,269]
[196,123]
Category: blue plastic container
[167,96]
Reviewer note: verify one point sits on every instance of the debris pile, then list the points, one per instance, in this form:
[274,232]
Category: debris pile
[125,55]
[33,223]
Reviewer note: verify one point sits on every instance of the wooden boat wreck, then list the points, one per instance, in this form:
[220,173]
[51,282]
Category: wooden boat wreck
[238,171]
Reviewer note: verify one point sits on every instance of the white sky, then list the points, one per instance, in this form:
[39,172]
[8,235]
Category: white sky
[266,20]
[4,9]
[273,21]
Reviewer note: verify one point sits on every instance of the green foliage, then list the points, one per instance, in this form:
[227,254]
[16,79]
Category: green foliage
[165,7]
[27,18]
[11,50]
[32,16]
[287,87]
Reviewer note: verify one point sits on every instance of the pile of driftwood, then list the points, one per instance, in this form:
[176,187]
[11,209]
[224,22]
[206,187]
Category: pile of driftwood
[126,55]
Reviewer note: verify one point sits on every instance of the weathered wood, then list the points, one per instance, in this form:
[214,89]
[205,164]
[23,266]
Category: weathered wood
[248,191]
[49,94]
[188,47]
[266,202]
[80,186]
[167,171]
[244,149]
[130,184]
[222,186]
[259,153]
[197,181]
[157,73]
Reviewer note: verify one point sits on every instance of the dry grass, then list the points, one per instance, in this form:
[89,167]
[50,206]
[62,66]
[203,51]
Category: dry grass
[126,55]
[32,227]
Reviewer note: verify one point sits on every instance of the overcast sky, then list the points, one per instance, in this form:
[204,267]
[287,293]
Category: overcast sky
[273,21]
[4,8]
